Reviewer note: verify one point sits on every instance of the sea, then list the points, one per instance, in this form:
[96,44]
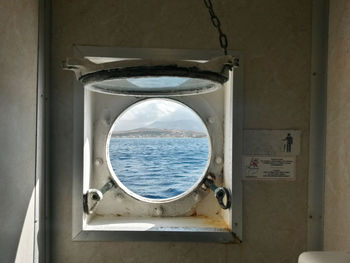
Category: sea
[159,168]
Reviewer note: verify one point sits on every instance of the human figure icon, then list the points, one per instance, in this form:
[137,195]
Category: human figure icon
[288,143]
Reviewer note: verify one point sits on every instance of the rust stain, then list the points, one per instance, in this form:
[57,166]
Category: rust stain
[217,223]
[194,214]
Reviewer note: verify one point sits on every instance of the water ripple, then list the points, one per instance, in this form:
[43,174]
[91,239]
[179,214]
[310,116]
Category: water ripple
[159,168]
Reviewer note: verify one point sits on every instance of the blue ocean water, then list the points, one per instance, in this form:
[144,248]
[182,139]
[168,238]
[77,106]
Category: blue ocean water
[158,168]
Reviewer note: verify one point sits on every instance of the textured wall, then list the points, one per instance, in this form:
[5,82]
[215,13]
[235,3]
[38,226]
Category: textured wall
[275,37]
[337,195]
[18,64]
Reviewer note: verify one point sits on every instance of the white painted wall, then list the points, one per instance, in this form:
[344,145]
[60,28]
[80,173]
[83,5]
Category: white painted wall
[337,183]
[275,38]
[18,64]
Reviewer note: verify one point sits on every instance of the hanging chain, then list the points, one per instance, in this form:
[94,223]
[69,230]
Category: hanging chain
[216,23]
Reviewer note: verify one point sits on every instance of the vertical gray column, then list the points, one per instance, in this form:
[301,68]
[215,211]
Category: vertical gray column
[317,124]
[18,96]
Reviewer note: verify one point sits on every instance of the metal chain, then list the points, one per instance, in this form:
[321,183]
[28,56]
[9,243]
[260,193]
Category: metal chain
[216,23]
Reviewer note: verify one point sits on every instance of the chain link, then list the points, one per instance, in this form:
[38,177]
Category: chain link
[216,23]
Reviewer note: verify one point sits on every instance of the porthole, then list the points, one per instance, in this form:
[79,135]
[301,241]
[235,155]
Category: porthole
[106,208]
[158,150]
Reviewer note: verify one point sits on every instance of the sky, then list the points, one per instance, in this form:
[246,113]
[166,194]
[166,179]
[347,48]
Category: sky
[146,112]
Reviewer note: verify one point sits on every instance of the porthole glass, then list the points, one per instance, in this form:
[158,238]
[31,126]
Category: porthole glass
[158,82]
[150,86]
[158,149]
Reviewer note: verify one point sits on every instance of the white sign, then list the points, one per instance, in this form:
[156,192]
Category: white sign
[272,142]
[267,167]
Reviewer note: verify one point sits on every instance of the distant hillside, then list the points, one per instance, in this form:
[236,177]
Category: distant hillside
[158,133]
[184,125]
[187,125]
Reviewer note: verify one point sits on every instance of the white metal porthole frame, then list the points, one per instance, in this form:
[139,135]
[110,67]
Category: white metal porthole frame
[178,206]
[175,216]
[192,195]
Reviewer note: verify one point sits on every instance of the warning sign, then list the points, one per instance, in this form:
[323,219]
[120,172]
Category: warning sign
[260,167]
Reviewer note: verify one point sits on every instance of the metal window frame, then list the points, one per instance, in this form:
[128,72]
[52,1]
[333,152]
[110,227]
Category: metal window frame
[41,250]
[78,234]
[318,117]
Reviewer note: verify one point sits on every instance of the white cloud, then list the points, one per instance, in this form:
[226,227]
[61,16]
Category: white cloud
[151,110]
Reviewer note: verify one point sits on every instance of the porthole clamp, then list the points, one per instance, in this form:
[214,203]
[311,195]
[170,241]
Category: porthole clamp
[222,194]
[93,196]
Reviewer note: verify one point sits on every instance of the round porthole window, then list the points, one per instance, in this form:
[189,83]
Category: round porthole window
[158,150]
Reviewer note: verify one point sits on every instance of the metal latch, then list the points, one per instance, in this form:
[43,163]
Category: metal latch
[93,196]
[222,194]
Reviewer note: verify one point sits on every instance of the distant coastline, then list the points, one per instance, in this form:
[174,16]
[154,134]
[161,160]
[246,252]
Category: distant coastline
[158,133]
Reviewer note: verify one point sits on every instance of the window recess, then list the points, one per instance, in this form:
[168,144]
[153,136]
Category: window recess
[105,207]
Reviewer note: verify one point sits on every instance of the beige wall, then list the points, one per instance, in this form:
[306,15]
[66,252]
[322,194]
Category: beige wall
[337,194]
[18,64]
[275,37]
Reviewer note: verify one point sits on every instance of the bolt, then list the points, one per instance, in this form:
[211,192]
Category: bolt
[218,160]
[95,197]
[211,120]
[98,161]
[119,196]
[159,211]
[196,196]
